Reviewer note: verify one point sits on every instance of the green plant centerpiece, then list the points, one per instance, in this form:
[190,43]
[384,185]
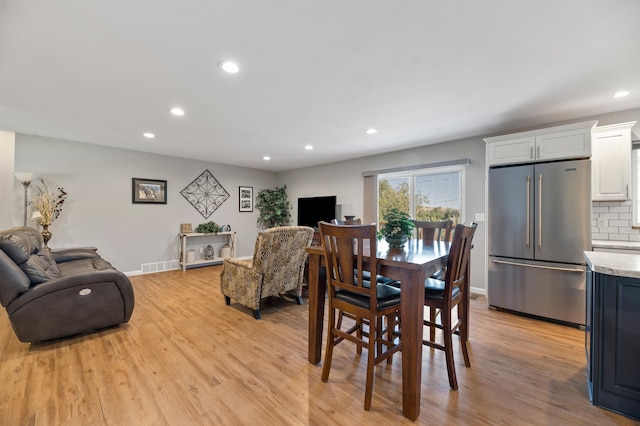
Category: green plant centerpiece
[274,207]
[208,228]
[396,228]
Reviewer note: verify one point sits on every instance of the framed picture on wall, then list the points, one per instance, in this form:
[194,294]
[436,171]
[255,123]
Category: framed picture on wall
[246,198]
[148,191]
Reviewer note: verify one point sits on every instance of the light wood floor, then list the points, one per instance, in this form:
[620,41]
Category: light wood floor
[186,358]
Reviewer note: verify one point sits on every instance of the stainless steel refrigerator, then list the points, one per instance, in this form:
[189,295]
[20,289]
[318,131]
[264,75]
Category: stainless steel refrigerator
[539,218]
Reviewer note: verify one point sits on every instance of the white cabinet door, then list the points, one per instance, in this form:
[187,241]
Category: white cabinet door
[553,143]
[512,151]
[569,144]
[611,162]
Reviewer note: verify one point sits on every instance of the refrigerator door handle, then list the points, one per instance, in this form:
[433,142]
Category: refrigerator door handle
[528,216]
[554,268]
[540,211]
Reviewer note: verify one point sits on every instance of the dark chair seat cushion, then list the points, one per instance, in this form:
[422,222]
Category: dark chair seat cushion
[387,296]
[381,279]
[434,289]
[439,275]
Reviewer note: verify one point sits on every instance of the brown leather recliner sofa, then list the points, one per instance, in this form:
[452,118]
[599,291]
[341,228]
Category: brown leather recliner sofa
[60,293]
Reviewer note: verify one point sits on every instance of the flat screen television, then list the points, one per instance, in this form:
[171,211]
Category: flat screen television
[312,210]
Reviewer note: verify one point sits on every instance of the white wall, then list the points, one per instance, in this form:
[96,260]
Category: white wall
[99,212]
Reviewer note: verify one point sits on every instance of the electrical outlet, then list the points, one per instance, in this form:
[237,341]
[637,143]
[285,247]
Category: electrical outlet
[602,222]
[479,217]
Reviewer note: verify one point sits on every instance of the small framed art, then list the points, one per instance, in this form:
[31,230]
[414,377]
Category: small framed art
[246,198]
[148,191]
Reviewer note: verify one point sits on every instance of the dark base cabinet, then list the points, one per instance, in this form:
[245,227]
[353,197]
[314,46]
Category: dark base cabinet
[613,342]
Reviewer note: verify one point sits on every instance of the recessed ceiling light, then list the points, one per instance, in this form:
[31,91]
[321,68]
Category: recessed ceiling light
[621,94]
[308,147]
[371,131]
[177,111]
[148,135]
[266,158]
[229,66]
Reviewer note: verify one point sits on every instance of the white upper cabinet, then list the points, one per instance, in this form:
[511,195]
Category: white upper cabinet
[552,143]
[611,162]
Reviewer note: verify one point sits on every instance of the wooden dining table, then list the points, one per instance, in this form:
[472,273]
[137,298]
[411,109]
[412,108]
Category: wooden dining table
[410,265]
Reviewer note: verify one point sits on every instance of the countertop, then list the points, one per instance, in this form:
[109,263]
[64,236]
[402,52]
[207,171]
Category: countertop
[620,245]
[623,265]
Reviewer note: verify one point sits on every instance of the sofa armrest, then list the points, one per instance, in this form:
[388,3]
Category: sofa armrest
[66,255]
[78,280]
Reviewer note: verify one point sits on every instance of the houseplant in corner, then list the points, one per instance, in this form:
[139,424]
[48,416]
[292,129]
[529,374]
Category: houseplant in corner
[274,207]
[396,228]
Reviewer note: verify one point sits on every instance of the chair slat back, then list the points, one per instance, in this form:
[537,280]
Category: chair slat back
[344,253]
[458,259]
[430,231]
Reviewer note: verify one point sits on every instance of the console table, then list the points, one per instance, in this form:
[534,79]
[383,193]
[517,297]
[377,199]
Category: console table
[186,239]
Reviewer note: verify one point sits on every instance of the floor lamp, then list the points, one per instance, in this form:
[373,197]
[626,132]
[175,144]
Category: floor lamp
[26,179]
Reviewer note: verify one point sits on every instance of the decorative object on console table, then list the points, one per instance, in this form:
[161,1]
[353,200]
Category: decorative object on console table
[396,228]
[47,208]
[208,252]
[148,191]
[208,228]
[205,194]
[186,228]
[225,251]
[25,178]
[246,198]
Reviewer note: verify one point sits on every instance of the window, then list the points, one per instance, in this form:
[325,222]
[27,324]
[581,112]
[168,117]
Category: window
[426,194]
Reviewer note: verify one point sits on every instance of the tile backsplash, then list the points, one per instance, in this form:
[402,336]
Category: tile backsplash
[611,221]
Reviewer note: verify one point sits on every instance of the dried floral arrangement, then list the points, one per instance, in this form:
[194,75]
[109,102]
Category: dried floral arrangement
[48,204]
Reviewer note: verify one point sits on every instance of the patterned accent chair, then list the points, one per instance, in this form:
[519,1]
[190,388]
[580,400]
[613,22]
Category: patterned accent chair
[277,267]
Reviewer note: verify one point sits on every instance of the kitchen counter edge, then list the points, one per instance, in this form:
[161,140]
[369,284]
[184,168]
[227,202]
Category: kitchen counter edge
[618,245]
[623,265]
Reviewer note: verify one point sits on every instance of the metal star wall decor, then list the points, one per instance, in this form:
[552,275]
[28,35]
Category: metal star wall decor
[205,194]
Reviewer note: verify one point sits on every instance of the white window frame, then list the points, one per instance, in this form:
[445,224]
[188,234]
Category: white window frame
[426,171]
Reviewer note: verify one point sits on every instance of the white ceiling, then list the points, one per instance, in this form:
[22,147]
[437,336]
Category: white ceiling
[313,72]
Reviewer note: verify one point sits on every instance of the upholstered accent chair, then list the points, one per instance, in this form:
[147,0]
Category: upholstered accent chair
[277,267]
[53,294]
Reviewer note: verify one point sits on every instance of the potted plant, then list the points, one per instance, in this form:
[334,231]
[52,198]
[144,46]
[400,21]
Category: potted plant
[396,228]
[208,228]
[274,207]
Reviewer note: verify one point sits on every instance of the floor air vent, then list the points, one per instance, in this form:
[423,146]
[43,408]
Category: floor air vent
[149,268]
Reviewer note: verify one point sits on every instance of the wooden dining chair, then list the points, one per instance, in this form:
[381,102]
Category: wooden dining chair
[433,231]
[380,278]
[443,296]
[348,291]
[430,231]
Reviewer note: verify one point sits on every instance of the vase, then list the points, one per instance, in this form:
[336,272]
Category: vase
[396,240]
[46,235]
